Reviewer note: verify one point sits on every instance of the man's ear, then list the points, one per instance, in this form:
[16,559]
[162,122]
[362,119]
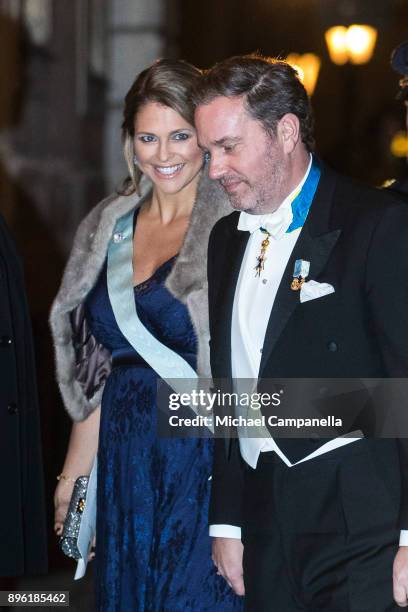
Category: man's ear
[288,130]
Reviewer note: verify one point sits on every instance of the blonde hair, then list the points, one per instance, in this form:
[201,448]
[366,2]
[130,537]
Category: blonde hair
[168,82]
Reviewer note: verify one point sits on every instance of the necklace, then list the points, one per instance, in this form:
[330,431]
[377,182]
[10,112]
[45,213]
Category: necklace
[260,266]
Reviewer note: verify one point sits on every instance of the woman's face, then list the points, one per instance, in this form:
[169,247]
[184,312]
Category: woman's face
[166,147]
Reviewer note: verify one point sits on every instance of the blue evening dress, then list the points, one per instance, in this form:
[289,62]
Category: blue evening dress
[153,551]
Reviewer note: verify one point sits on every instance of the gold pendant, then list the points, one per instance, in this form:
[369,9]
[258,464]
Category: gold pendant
[260,266]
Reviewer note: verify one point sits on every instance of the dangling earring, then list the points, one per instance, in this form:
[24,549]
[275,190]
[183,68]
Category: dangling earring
[135,162]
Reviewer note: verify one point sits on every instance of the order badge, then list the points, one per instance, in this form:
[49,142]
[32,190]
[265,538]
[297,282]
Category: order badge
[300,273]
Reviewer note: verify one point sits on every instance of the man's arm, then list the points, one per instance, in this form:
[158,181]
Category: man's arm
[387,264]
[227,485]
[227,480]
[225,514]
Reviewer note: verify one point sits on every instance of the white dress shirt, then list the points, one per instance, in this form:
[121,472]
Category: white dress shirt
[253,301]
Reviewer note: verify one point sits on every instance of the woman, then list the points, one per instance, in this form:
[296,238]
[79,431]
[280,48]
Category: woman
[153,548]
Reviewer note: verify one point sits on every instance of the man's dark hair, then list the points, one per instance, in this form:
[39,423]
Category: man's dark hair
[271,87]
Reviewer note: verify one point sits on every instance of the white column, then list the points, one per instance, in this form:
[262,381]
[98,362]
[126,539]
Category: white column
[135,40]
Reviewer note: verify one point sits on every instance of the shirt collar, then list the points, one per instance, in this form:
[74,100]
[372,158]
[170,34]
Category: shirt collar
[280,219]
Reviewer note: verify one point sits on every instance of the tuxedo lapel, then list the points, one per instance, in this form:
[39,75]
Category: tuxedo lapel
[314,244]
[317,251]
[236,242]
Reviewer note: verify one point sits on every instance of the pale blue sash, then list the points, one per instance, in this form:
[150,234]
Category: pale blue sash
[168,364]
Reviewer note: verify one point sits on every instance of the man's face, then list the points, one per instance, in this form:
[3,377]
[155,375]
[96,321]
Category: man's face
[249,163]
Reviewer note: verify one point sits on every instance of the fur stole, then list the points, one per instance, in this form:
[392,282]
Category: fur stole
[187,281]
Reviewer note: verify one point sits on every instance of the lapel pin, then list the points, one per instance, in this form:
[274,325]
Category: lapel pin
[300,273]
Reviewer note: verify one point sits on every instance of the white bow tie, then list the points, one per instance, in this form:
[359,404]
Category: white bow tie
[275,223]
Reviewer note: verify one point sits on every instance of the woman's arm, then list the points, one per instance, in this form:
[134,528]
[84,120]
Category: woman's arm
[82,448]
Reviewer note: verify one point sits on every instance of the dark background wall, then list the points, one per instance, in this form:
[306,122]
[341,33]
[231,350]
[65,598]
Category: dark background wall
[354,105]
[59,114]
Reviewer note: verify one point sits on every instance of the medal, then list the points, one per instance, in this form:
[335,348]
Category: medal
[300,273]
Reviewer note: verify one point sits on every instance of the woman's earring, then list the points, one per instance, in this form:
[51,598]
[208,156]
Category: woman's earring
[135,162]
[207,157]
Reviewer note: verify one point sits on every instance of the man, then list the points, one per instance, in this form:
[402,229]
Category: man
[23,545]
[320,519]
[399,62]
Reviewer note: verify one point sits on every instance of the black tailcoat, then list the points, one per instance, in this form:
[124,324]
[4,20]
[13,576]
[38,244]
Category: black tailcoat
[400,188]
[356,239]
[22,511]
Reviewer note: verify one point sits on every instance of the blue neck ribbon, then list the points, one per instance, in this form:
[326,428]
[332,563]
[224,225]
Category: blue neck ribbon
[302,202]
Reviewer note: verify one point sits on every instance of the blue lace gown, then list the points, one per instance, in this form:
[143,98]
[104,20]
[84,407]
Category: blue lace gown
[153,549]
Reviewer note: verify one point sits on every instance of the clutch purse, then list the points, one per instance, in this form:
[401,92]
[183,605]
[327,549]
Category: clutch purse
[72,523]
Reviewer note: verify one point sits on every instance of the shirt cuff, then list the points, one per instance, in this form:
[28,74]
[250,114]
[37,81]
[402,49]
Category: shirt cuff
[226,531]
[403,537]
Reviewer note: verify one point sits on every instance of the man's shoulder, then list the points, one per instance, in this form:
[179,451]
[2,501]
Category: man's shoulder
[359,199]
[399,188]
[225,224]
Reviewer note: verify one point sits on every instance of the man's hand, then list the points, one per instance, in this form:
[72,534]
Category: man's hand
[400,577]
[227,556]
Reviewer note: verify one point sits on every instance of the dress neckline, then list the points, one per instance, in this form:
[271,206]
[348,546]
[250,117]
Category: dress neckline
[140,285]
[147,281]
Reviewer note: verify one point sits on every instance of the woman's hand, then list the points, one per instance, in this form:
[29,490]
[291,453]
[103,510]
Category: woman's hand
[82,448]
[62,497]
